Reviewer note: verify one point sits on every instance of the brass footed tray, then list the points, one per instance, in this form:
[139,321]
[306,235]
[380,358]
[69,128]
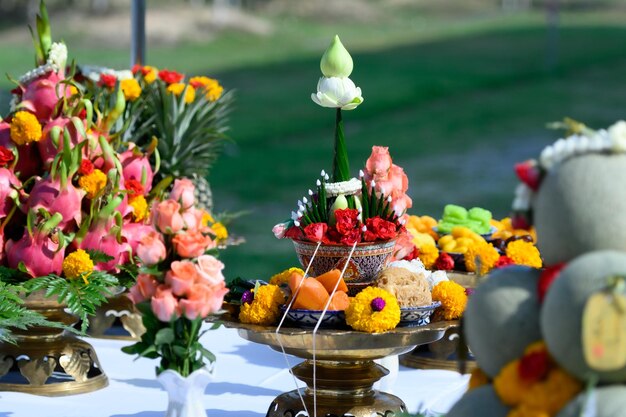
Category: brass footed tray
[345,366]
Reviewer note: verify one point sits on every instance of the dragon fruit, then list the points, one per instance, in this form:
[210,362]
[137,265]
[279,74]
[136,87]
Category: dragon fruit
[133,232]
[50,195]
[134,165]
[47,148]
[101,237]
[28,162]
[40,96]
[8,185]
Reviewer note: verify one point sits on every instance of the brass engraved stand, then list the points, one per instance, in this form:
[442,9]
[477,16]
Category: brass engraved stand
[117,319]
[49,361]
[346,370]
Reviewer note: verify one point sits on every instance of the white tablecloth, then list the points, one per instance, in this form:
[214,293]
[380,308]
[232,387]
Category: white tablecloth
[248,377]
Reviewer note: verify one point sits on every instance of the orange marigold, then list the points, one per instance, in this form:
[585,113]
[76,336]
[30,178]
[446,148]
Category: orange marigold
[487,255]
[428,255]
[453,299]
[524,253]
[478,378]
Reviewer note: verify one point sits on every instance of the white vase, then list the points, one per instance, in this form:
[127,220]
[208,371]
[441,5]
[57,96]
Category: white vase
[185,394]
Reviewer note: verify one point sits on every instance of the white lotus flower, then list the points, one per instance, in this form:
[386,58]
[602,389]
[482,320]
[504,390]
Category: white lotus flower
[617,134]
[338,93]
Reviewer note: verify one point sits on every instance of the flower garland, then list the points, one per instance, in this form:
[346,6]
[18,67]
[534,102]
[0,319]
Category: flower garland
[261,306]
[373,310]
[428,255]
[283,277]
[453,299]
[487,255]
[524,253]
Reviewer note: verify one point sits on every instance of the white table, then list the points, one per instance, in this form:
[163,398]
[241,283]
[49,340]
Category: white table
[248,378]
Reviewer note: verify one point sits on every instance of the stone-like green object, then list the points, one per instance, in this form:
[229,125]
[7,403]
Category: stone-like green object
[481,401]
[610,402]
[581,207]
[562,312]
[336,61]
[502,317]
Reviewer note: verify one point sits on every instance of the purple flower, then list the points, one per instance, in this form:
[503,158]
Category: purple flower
[378,304]
[247,297]
[469,291]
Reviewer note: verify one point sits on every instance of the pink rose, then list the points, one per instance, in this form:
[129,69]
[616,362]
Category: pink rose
[210,270]
[203,300]
[379,162]
[167,217]
[192,244]
[144,288]
[151,249]
[279,230]
[193,218]
[164,304]
[183,192]
[181,277]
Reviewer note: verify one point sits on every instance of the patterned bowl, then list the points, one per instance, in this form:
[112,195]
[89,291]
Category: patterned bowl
[366,262]
[417,316]
[309,318]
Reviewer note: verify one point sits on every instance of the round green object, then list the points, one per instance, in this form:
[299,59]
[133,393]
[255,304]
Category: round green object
[502,317]
[562,312]
[581,207]
[481,401]
[610,402]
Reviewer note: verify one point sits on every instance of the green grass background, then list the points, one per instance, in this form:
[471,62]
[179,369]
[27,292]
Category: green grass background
[459,96]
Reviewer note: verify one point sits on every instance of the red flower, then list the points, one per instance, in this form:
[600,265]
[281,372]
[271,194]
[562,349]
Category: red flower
[534,366]
[444,262]
[380,228]
[529,173]
[347,220]
[333,235]
[351,237]
[521,221]
[315,232]
[136,68]
[17,91]
[548,275]
[294,233]
[133,187]
[503,261]
[6,156]
[170,77]
[413,255]
[86,167]
[107,80]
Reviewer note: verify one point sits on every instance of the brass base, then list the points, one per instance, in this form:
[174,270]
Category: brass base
[49,361]
[117,319]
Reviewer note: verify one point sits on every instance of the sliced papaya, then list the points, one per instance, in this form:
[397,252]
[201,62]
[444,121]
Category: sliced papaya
[329,280]
[294,281]
[339,301]
[312,295]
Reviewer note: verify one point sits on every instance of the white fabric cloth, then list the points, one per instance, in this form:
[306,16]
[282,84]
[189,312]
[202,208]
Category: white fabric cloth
[248,377]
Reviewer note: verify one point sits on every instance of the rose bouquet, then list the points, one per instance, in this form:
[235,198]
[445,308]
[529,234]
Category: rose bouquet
[180,282]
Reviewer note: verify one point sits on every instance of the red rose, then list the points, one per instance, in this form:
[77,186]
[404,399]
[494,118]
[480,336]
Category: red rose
[333,235]
[347,220]
[170,77]
[136,68]
[351,237]
[383,229]
[315,231]
[107,80]
[294,233]
[133,187]
[548,275]
[444,262]
[503,261]
[6,156]
[86,167]
[534,366]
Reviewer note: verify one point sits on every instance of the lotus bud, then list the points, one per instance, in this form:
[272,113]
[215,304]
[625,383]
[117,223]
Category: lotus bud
[341,202]
[305,200]
[336,61]
[318,183]
[359,207]
[361,173]
[323,174]
[296,223]
[326,177]
[310,192]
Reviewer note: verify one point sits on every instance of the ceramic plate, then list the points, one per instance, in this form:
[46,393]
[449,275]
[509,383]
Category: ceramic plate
[417,316]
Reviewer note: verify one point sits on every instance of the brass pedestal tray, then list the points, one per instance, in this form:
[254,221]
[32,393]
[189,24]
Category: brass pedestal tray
[345,367]
[49,361]
[117,319]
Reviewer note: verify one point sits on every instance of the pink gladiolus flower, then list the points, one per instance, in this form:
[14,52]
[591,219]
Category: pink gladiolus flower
[164,305]
[404,246]
[144,288]
[151,249]
[39,254]
[167,218]
[210,270]
[400,202]
[379,163]
[398,178]
[181,277]
[183,192]
[49,195]
[192,244]
[40,96]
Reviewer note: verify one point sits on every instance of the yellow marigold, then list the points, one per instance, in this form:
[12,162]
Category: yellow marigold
[264,308]
[428,254]
[140,207]
[551,395]
[509,386]
[212,88]
[484,251]
[131,89]
[524,253]
[93,183]
[178,88]
[73,90]
[220,231]
[25,128]
[149,74]
[283,277]
[478,378]
[207,219]
[361,315]
[78,264]
[453,299]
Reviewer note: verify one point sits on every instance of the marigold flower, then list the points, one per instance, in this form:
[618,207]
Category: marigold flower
[361,316]
[478,378]
[207,219]
[220,231]
[264,308]
[211,87]
[131,89]
[524,253]
[428,255]
[133,187]
[86,167]
[178,88]
[283,277]
[453,299]
[485,252]
[140,207]
[78,264]
[149,74]
[509,386]
[93,183]
[25,128]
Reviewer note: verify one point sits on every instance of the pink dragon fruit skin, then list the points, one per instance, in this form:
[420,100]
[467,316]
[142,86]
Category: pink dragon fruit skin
[133,232]
[38,253]
[133,166]
[49,195]
[8,184]
[40,96]
[99,238]
[46,147]
[29,162]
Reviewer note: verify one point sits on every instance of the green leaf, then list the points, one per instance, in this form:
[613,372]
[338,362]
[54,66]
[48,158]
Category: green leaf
[341,166]
[165,336]
[98,256]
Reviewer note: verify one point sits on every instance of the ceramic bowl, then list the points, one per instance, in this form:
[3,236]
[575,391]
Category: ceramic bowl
[309,318]
[417,316]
